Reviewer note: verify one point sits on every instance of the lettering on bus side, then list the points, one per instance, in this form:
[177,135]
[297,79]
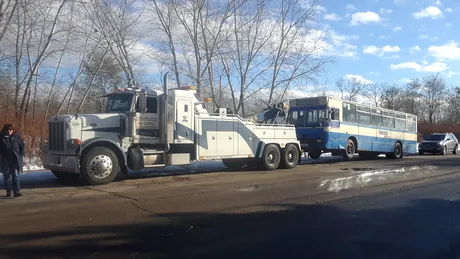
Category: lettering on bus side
[383,132]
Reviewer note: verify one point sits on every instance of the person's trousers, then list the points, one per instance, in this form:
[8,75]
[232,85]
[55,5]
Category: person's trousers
[11,179]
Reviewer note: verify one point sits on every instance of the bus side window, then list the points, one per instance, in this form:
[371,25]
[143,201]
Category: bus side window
[334,114]
[349,112]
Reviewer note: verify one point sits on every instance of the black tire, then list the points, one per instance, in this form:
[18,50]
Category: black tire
[316,154]
[65,176]
[234,163]
[444,150]
[350,150]
[397,152]
[455,150]
[271,157]
[290,156]
[104,157]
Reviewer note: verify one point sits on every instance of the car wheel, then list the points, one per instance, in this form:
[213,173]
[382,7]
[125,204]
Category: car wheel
[444,150]
[456,149]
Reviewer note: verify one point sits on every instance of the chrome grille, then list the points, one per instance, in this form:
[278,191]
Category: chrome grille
[57,135]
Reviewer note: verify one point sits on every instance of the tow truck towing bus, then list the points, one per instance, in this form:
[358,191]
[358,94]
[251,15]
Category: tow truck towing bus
[148,129]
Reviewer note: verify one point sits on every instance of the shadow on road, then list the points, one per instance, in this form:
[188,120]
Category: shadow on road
[426,228]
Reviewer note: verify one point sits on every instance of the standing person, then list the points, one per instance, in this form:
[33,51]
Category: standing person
[11,160]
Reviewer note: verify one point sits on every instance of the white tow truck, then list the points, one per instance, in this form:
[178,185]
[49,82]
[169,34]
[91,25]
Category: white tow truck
[147,129]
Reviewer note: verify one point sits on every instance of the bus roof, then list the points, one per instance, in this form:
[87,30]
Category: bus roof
[323,100]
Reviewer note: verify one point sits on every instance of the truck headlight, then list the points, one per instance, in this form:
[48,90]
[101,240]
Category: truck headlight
[75,142]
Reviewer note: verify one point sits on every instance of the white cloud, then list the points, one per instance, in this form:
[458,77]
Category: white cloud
[374,50]
[404,80]
[399,2]
[433,68]
[448,10]
[365,17]
[332,17]
[389,48]
[426,37]
[374,73]
[414,49]
[451,73]
[359,78]
[350,7]
[397,28]
[432,12]
[449,51]
[438,2]
[340,45]
[371,50]
[385,11]
[383,37]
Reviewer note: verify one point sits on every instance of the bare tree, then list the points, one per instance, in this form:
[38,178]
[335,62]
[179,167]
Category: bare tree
[433,87]
[7,10]
[117,24]
[392,98]
[375,92]
[350,89]
[297,44]
[242,58]
[165,15]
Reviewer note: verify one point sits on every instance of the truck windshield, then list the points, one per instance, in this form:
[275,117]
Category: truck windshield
[119,103]
[270,116]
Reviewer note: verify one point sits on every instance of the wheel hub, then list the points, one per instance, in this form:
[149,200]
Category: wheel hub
[101,166]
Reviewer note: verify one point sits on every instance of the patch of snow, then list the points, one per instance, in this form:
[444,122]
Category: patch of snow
[363,178]
[32,164]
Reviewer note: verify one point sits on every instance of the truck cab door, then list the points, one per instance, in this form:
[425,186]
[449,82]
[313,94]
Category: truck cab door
[184,128]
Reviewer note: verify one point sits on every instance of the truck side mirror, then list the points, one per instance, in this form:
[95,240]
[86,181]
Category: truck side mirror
[142,101]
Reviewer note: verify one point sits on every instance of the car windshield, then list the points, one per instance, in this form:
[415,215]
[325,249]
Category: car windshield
[436,137]
[119,103]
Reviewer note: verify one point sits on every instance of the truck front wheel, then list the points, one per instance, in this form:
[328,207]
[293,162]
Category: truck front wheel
[100,166]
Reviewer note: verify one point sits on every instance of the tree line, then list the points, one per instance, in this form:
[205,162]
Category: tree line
[429,97]
[62,56]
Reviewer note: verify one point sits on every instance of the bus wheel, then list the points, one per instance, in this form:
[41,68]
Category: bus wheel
[315,154]
[397,153]
[290,156]
[271,157]
[350,150]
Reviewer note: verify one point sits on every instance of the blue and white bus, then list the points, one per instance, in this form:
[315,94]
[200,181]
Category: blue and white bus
[344,128]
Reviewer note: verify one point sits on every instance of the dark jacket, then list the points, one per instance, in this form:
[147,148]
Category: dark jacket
[11,152]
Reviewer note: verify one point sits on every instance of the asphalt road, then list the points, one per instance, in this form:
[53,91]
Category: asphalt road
[382,208]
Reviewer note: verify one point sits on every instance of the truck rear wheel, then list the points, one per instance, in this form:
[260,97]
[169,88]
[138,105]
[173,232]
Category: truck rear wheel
[271,157]
[290,156]
[100,166]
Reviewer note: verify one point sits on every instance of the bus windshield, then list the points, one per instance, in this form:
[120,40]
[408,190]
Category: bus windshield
[307,116]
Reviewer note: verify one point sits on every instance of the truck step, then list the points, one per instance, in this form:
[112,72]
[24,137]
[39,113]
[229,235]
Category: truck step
[154,166]
[153,152]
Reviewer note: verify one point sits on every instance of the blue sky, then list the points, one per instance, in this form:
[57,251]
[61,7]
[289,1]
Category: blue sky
[393,40]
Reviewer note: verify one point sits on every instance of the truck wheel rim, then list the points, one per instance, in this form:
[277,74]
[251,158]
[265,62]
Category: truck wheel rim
[271,158]
[101,166]
[290,157]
